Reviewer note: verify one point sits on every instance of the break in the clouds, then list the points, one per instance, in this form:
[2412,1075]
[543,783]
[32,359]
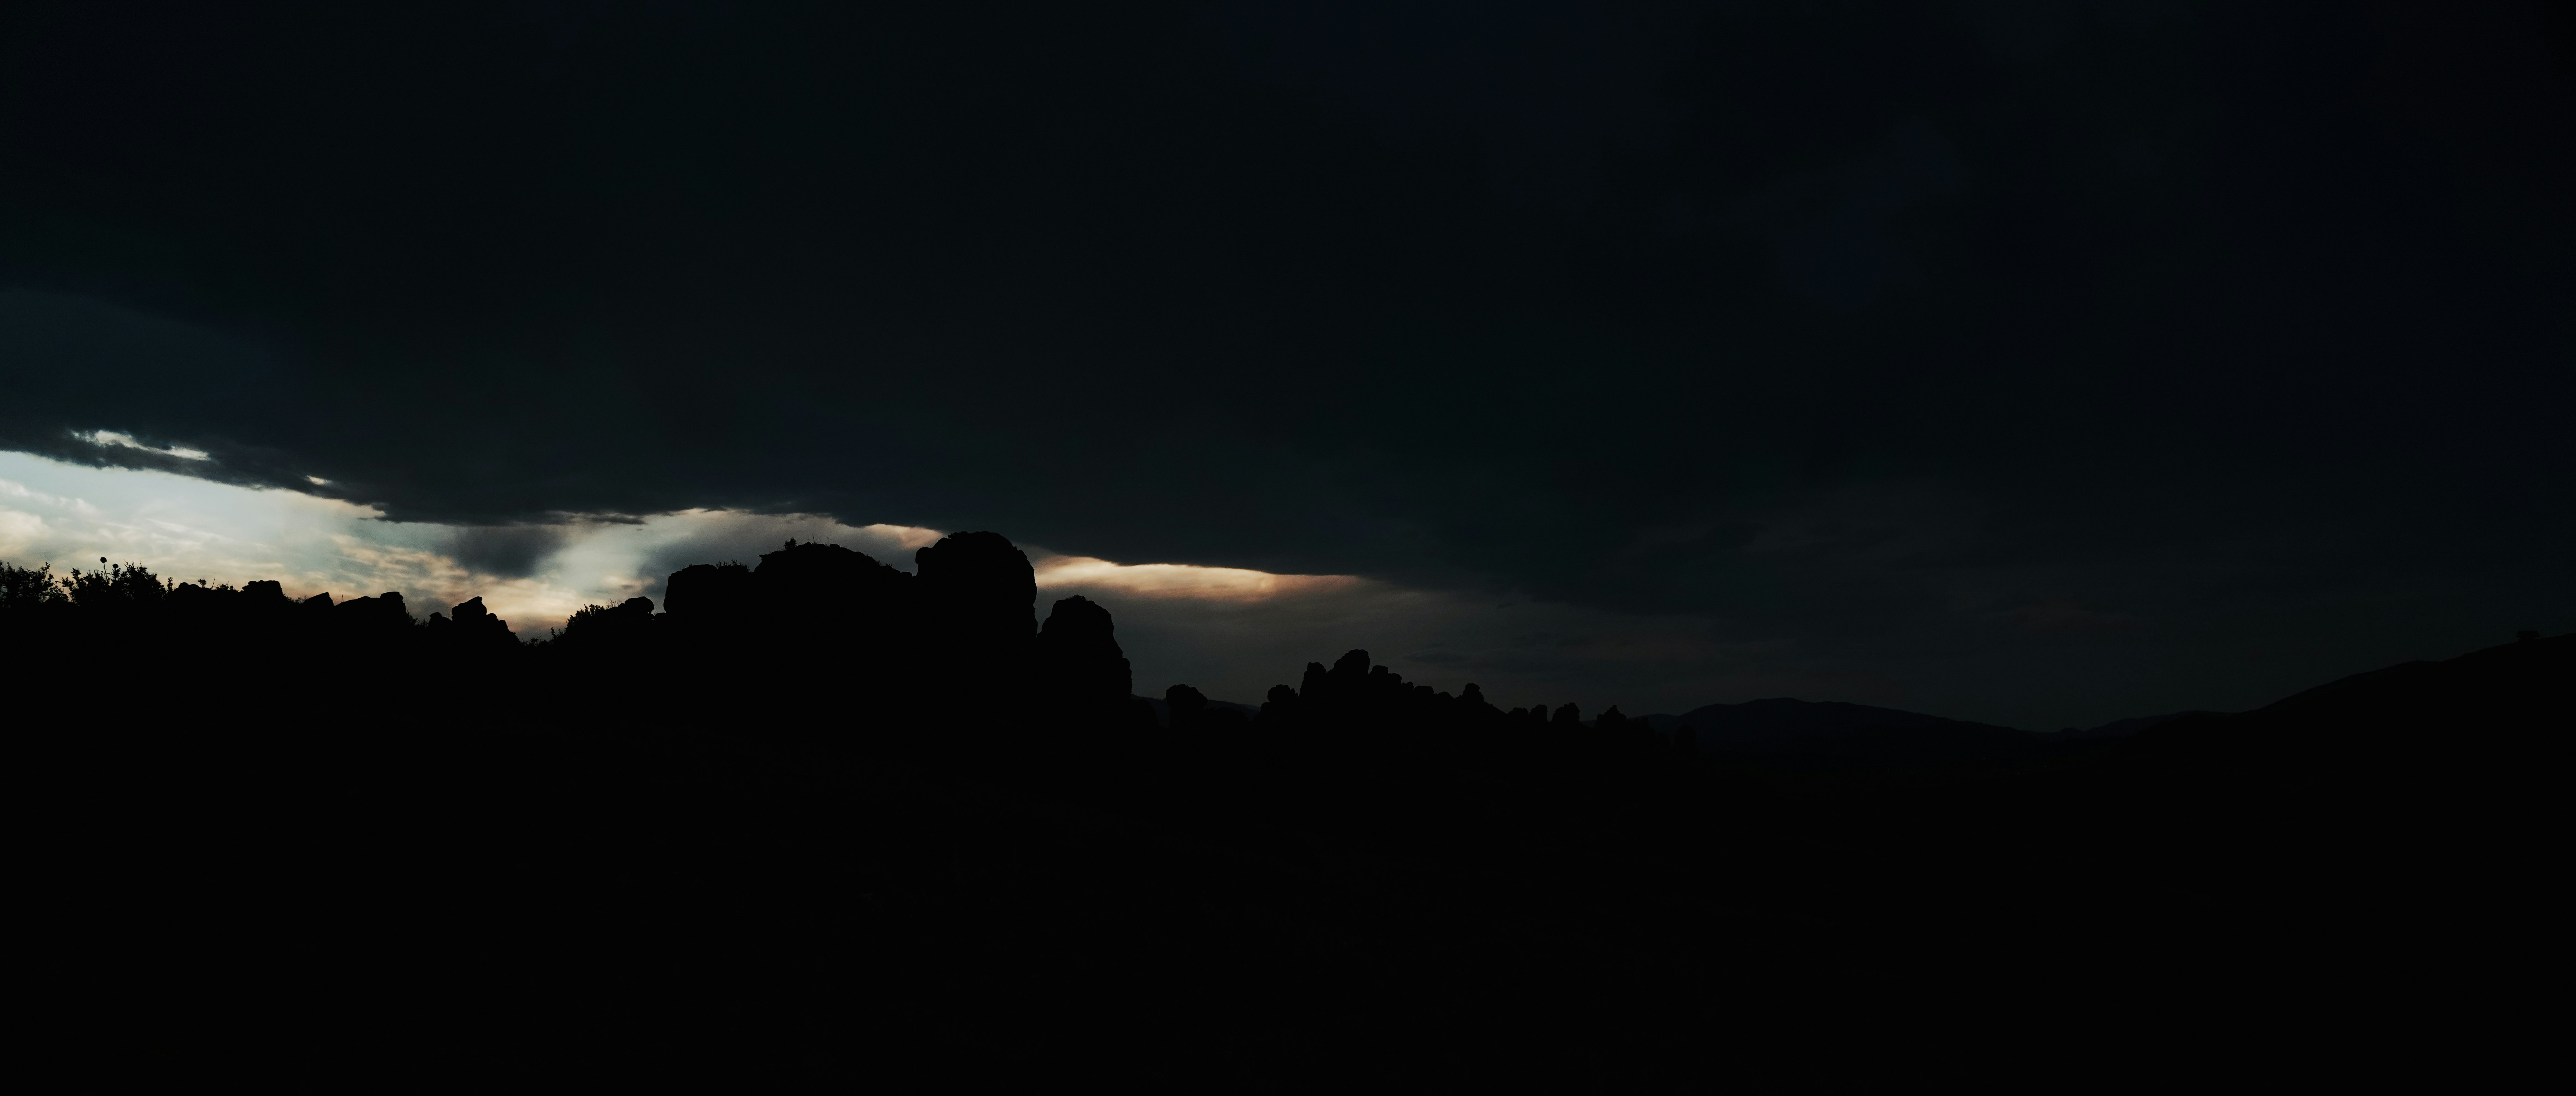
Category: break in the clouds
[1230,631]
[191,529]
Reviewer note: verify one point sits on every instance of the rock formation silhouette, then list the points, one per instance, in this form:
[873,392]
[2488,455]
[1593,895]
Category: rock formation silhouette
[980,592]
[839,797]
[468,626]
[1082,675]
[715,596]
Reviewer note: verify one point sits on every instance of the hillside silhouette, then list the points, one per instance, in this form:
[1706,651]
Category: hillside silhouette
[1783,730]
[814,805]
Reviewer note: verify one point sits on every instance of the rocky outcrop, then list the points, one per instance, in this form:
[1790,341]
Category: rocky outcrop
[609,629]
[827,581]
[980,594]
[383,614]
[1079,662]
[717,593]
[470,626]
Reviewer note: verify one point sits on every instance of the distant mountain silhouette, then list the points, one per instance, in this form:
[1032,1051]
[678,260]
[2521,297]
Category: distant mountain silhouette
[2495,702]
[1837,734]
[1163,708]
[2122,728]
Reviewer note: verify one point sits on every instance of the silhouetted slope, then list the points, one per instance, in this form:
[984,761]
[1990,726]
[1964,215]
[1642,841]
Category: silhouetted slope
[1835,733]
[2123,728]
[2514,688]
[2485,706]
[1162,708]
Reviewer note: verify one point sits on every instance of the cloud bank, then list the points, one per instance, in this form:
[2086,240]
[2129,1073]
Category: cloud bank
[2097,353]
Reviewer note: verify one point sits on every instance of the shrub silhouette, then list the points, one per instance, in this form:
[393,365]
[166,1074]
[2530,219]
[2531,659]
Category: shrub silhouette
[120,586]
[624,628]
[28,589]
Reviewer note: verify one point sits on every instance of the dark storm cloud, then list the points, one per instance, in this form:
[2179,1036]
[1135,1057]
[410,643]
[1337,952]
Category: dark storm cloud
[508,551]
[1830,230]
[1886,326]
[1547,89]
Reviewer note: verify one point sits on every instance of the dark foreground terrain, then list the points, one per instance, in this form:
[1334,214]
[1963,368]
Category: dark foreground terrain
[775,828]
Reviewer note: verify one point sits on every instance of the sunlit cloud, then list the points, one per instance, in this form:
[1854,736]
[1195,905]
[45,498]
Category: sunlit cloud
[1231,631]
[535,575]
[111,437]
[1179,580]
[906,536]
[188,529]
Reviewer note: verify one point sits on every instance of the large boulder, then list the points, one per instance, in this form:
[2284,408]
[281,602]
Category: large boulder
[831,589]
[981,596]
[833,632]
[371,618]
[708,591]
[1188,707]
[1079,661]
[470,626]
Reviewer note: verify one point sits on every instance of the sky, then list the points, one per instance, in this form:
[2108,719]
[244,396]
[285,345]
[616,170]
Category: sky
[2041,362]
